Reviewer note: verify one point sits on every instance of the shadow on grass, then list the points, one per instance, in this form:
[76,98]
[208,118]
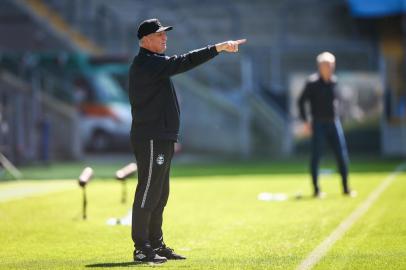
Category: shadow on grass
[119,264]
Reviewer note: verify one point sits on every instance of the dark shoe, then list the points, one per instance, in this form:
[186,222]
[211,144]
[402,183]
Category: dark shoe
[168,253]
[350,193]
[148,255]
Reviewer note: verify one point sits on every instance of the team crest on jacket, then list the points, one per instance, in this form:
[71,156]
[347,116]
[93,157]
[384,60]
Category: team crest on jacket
[160,159]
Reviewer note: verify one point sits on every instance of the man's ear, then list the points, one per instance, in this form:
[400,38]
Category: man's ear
[143,41]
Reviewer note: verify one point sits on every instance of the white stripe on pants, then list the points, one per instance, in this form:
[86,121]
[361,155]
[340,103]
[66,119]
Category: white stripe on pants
[151,161]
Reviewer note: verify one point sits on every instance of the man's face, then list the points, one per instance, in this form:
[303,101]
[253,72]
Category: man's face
[156,42]
[326,70]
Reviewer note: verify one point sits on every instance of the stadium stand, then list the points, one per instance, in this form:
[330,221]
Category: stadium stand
[22,33]
[281,42]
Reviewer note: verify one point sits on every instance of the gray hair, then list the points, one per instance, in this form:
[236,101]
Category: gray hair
[326,57]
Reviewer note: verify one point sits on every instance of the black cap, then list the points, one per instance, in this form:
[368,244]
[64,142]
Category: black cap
[151,26]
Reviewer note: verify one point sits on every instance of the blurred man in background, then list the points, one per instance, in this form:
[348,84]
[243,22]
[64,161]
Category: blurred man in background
[155,129]
[320,93]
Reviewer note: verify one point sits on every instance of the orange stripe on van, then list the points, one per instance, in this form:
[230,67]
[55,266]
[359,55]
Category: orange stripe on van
[97,110]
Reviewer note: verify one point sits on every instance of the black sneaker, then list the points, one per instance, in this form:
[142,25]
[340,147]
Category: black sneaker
[148,255]
[168,253]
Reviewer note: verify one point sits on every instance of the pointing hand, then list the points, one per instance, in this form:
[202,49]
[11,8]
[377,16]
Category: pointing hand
[230,46]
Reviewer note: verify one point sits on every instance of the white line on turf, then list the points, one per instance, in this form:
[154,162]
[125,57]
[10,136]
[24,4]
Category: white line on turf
[318,253]
[24,189]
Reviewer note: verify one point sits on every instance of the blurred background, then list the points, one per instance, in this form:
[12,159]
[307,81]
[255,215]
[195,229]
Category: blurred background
[64,75]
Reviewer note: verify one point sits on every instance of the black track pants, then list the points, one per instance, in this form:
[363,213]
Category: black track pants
[154,161]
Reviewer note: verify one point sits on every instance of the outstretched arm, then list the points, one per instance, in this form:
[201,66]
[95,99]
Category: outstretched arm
[164,66]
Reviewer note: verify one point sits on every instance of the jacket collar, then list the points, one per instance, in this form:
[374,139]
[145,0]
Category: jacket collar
[146,51]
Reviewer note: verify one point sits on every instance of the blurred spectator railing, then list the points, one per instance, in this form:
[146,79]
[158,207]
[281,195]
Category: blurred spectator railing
[98,22]
[34,124]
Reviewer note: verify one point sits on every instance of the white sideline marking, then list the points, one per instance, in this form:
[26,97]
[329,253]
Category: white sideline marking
[21,190]
[315,256]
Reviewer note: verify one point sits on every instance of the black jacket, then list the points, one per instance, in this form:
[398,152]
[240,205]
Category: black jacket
[154,104]
[322,97]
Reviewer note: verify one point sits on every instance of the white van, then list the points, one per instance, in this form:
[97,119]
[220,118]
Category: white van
[105,110]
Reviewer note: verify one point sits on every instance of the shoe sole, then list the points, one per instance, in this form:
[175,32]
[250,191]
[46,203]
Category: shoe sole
[149,263]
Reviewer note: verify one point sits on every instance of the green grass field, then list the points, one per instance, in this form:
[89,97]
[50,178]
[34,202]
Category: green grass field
[213,217]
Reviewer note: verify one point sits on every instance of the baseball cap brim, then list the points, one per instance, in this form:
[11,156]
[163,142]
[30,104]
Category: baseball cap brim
[164,28]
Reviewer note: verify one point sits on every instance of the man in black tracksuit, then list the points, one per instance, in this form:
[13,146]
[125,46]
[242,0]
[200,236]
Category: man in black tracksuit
[320,92]
[155,129]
